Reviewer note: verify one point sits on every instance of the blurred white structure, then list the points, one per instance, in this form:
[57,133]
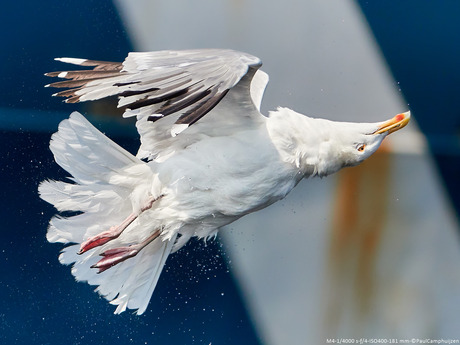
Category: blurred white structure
[372,252]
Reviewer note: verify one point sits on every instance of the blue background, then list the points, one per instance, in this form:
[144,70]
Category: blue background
[196,300]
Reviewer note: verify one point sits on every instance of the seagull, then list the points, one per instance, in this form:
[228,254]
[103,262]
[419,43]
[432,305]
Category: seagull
[207,157]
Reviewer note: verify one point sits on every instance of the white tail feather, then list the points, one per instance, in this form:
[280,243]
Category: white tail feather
[106,178]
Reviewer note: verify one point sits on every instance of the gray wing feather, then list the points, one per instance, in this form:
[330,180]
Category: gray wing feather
[189,83]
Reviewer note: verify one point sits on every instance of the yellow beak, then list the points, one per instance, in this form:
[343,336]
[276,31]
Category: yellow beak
[396,123]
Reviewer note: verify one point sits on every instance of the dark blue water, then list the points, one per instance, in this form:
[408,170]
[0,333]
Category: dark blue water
[196,300]
[419,39]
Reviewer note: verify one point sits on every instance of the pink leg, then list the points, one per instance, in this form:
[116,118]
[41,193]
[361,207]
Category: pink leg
[114,256]
[106,236]
[114,231]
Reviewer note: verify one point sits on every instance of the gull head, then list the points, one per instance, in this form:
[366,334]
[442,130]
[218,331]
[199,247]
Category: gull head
[348,144]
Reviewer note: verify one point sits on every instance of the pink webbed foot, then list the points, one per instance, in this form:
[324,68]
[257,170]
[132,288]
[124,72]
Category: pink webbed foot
[105,236]
[114,256]
[114,231]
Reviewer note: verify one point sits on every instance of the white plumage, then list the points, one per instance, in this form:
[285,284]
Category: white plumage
[193,173]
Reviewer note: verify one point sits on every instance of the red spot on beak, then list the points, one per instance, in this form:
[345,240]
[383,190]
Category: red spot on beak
[399,117]
[395,124]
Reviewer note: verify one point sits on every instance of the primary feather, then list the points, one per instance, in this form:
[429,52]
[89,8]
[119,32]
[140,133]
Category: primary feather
[207,157]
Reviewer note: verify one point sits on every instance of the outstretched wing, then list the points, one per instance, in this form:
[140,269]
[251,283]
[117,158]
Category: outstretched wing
[154,85]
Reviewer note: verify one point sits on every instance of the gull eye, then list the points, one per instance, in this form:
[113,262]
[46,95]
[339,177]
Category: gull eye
[361,147]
